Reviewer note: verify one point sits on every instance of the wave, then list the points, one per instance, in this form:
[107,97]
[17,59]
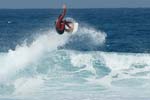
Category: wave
[42,66]
[18,66]
[57,70]
[86,39]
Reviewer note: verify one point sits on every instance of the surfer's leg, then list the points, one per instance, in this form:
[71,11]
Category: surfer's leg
[67,23]
[69,26]
[69,29]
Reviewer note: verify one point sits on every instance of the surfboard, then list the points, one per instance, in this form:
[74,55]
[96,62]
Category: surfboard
[74,25]
[75,29]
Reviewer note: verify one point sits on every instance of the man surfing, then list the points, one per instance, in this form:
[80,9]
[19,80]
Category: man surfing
[61,24]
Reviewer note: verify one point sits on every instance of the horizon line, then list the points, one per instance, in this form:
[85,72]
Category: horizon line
[85,8]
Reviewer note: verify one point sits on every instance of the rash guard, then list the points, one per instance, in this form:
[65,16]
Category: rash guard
[60,24]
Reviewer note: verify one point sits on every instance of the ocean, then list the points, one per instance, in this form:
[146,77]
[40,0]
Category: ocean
[108,58]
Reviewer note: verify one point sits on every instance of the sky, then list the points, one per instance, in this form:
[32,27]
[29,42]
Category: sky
[74,3]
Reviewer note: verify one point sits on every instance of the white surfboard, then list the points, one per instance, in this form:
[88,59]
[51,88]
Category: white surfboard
[74,25]
[75,29]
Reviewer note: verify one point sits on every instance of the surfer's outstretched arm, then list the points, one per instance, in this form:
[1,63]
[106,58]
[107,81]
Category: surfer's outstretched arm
[63,13]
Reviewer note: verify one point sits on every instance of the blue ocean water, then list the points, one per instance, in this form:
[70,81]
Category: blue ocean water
[107,59]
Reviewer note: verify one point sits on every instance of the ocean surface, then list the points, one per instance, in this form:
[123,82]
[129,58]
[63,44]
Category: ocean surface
[107,59]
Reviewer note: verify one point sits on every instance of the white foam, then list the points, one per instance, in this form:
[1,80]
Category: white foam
[84,61]
[117,61]
[121,65]
[28,86]
[24,55]
[97,36]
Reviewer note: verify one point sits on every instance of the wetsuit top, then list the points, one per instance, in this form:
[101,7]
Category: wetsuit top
[60,24]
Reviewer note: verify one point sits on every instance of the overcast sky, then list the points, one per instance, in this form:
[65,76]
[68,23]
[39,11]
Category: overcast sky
[74,3]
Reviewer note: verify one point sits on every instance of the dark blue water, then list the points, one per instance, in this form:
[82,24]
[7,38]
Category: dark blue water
[127,29]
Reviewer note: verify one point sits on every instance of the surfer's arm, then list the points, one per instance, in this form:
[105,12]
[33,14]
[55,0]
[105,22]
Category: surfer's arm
[64,12]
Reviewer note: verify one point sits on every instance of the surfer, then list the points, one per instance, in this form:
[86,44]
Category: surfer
[61,24]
